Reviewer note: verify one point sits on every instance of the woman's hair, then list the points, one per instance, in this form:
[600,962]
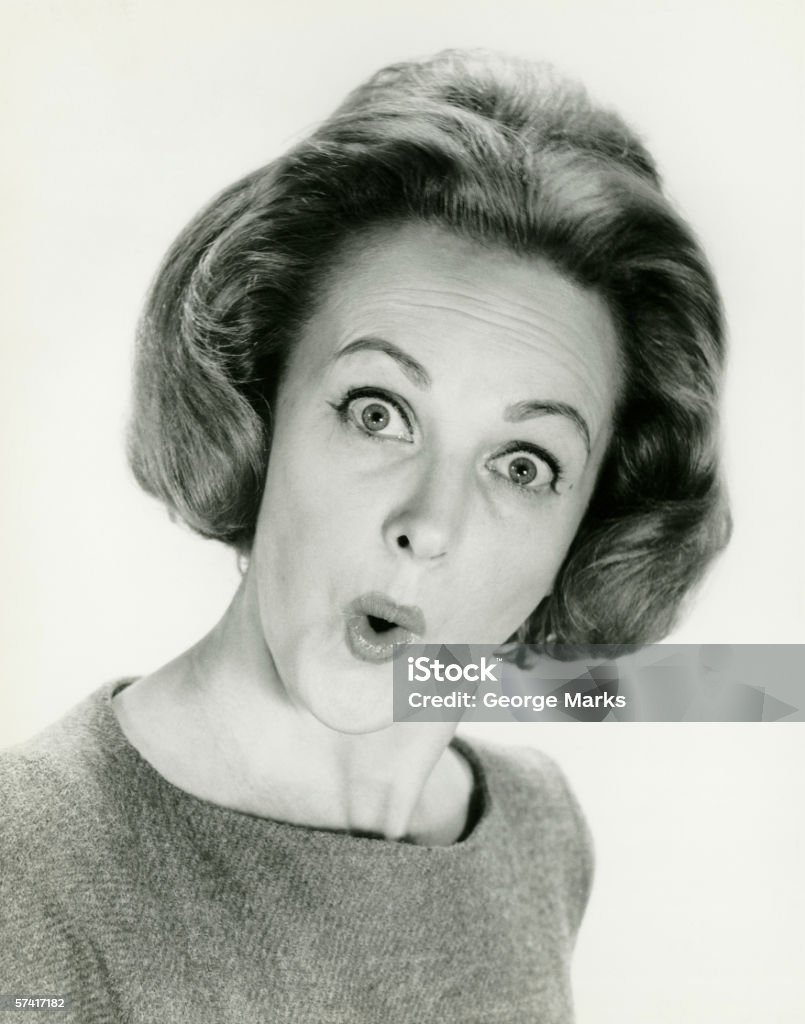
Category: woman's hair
[505,152]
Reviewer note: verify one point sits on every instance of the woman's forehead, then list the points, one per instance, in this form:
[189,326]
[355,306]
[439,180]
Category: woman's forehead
[459,307]
[417,272]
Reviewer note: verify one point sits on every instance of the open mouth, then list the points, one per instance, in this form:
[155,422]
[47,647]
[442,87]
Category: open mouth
[380,625]
[375,624]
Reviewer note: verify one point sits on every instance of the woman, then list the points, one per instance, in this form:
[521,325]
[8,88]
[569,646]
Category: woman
[446,371]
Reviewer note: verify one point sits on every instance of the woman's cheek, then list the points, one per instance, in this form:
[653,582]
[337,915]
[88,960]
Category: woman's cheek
[524,567]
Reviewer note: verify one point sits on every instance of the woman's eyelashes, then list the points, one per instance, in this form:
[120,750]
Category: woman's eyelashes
[375,413]
[526,467]
[382,416]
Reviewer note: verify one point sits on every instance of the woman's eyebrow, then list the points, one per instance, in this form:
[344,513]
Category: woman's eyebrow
[413,370]
[417,373]
[530,410]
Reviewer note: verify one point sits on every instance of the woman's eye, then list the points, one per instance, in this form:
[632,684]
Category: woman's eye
[377,416]
[528,471]
[522,470]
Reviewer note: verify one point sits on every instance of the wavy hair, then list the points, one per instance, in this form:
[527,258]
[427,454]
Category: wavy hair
[508,153]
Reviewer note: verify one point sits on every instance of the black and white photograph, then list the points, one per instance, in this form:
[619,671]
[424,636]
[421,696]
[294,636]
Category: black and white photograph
[360,361]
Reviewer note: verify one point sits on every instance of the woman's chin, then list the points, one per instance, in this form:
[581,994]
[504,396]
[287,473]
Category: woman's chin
[350,702]
[346,718]
[351,726]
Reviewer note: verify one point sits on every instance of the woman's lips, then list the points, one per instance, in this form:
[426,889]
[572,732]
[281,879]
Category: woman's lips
[375,624]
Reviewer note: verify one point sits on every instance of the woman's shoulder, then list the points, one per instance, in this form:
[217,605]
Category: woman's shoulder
[51,782]
[58,807]
[523,776]
[538,817]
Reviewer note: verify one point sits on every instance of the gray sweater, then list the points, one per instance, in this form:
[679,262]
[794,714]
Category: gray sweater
[144,903]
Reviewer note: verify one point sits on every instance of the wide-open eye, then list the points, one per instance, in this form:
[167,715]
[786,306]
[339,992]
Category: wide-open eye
[377,415]
[526,468]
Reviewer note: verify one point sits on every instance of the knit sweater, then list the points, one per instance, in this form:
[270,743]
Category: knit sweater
[143,903]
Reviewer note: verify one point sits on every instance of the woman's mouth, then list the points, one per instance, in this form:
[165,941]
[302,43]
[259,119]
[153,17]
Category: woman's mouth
[375,624]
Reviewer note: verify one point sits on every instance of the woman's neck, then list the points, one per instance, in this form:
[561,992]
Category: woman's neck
[218,723]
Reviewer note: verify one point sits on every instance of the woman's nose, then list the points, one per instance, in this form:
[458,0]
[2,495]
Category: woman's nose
[427,520]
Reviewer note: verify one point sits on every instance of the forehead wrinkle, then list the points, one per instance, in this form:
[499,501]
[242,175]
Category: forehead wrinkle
[499,316]
[451,258]
[553,284]
[540,339]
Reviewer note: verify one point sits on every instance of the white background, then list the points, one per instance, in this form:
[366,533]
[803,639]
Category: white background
[121,119]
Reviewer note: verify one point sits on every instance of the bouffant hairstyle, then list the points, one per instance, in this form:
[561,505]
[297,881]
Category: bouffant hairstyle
[508,153]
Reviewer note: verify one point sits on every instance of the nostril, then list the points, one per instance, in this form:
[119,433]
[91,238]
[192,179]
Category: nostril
[403,541]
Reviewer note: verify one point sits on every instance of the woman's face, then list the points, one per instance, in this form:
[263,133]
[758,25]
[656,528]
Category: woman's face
[436,442]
